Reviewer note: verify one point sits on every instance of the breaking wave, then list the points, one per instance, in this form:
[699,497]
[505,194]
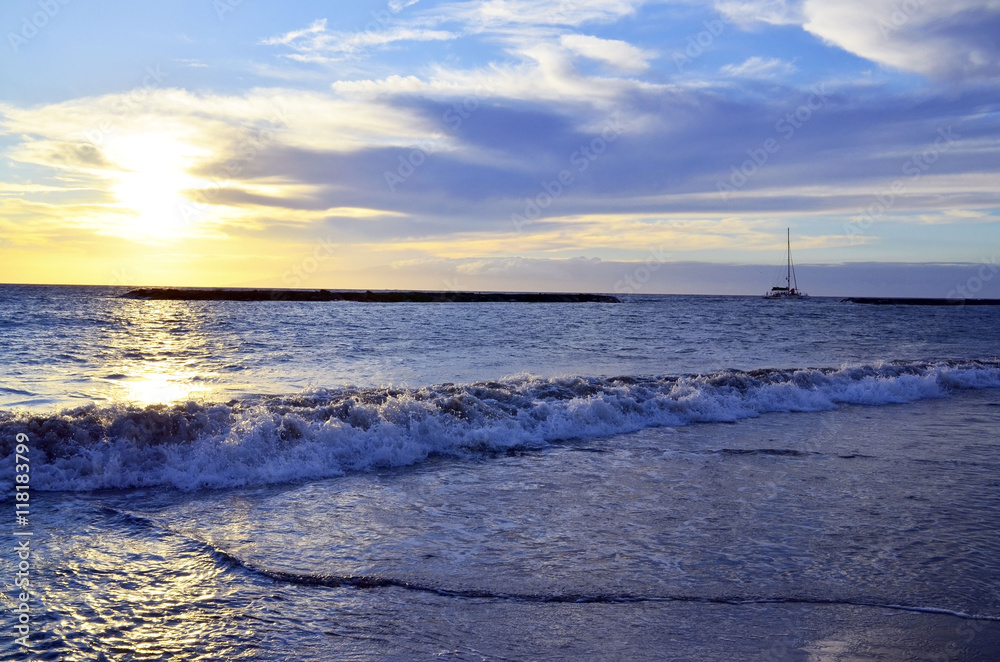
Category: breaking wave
[327,433]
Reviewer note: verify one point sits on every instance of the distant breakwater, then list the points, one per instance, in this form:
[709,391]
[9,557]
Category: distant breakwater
[916,301]
[383,296]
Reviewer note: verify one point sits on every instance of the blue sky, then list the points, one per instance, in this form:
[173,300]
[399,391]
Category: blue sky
[550,145]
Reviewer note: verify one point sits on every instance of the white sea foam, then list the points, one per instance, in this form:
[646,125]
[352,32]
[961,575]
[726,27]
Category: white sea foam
[329,432]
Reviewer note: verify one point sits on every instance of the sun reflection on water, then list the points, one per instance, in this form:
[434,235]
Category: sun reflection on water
[161,354]
[141,593]
[163,388]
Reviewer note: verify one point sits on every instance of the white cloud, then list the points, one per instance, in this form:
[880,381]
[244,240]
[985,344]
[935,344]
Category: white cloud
[311,120]
[519,20]
[955,40]
[176,163]
[759,67]
[618,54]
[545,74]
[947,40]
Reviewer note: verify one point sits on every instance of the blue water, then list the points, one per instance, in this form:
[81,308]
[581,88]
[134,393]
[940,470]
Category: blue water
[666,478]
[66,347]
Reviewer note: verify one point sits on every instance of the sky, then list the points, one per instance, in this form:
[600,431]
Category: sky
[545,145]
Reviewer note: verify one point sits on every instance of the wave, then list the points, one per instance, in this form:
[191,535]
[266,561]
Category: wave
[329,432]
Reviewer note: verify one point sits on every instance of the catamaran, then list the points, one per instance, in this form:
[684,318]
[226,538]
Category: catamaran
[791,288]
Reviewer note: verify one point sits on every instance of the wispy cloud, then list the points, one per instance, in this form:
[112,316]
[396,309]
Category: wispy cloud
[494,14]
[759,67]
[316,44]
[772,12]
[618,54]
[317,27]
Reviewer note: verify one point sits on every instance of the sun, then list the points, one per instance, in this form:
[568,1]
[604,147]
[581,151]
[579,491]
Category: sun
[150,185]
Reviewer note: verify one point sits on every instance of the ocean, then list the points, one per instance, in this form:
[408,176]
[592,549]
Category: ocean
[668,478]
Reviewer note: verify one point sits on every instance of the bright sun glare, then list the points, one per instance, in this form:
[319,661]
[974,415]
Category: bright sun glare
[150,186]
[162,387]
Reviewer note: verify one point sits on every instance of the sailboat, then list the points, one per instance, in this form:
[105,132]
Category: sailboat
[791,288]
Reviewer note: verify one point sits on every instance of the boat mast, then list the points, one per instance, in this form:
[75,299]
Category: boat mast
[788,276]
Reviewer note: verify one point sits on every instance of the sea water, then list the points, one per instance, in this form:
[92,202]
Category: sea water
[666,478]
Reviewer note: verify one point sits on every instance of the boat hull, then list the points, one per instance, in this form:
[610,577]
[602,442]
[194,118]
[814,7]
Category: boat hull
[786,295]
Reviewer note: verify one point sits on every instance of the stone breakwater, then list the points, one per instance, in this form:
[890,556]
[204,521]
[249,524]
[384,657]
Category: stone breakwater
[908,301]
[383,296]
